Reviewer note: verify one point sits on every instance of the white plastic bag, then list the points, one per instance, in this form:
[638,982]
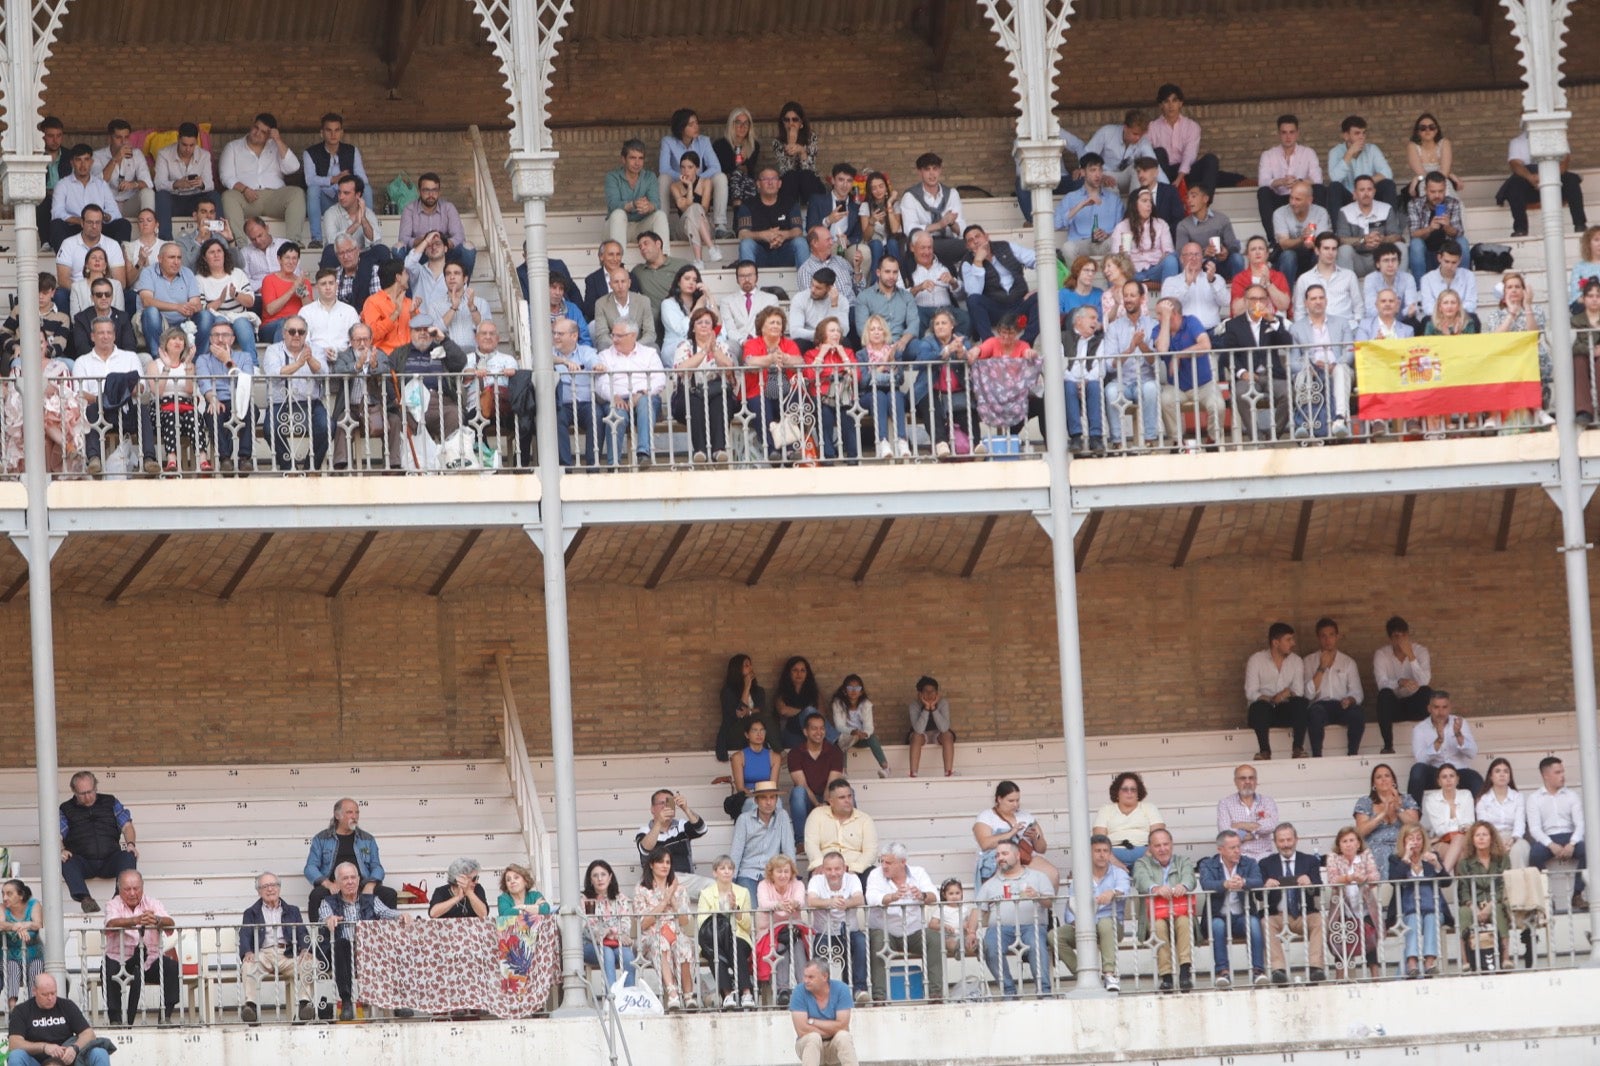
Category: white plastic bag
[634,999]
[122,461]
[459,451]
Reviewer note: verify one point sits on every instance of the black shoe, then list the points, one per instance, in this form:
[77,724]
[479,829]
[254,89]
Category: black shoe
[1579,904]
[1388,749]
[1097,445]
[347,1012]
[404,1012]
[1522,231]
[1186,978]
[168,1018]
[249,1015]
[1318,975]
[783,998]
[307,1012]
[1166,982]
[88,904]
[1279,977]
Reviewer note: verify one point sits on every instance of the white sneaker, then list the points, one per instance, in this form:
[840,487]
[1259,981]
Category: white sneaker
[698,457]
[883,771]
[902,449]
[1491,422]
[1340,429]
[747,1001]
[700,264]
[885,449]
[720,457]
[941,450]
[714,254]
[1111,984]
[730,1001]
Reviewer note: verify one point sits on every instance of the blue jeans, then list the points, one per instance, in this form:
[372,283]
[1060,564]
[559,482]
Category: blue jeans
[323,197]
[1427,923]
[790,254]
[1128,856]
[244,331]
[587,416]
[642,417]
[998,938]
[96,1057]
[1421,260]
[608,958]
[153,322]
[1222,925]
[1081,395]
[1147,395]
[888,406]
[892,250]
[837,420]
[314,415]
[800,806]
[1539,856]
[749,883]
[170,203]
[1162,270]
[856,949]
[1232,265]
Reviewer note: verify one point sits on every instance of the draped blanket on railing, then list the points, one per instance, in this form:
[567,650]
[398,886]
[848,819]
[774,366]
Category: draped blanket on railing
[505,968]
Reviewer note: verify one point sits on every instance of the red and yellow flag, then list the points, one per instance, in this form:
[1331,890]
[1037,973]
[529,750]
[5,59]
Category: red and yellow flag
[1420,376]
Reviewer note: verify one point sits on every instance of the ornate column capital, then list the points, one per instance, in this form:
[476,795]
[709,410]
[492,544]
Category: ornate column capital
[22,179]
[1041,163]
[533,175]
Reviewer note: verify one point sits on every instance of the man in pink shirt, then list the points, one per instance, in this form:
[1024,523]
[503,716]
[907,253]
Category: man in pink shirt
[1284,165]
[133,955]
[1176,140]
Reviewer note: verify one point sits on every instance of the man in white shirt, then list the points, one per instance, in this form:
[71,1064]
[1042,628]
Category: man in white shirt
[934,206]
[1281,166]
[1118,145]
[253,168]
[72,251]
[1341,285]
[183,179]
[1274,683]
[1014,904]
[1198,287]
[1402,669]
[933,286]
[1443,738]
[295,373]
[258,256]
[836,897]
[76,191]
[1448,275]
[820,300]
[1522,187]
[351,217]
[127,416]
[1321,367]
[1251,814]
[631,381]
[123,167]
[328,320]
[739,309]
[1555,824]
[1333,689]
[896,894]
[1364,226]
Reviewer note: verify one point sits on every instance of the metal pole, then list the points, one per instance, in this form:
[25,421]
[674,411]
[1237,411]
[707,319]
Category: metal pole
[533,179]
[24,188]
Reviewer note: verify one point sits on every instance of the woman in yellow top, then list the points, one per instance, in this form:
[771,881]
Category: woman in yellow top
[725,935]
[1128,819]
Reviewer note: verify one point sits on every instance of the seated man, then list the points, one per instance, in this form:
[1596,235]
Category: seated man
[357,274]
[77,191]
[1386,324]
[631,380]
[930,723]
[936,207]
[169,295]
[654,276]
[1402,669]
[55,327]
[1175,140]
[100,306]
[836,898]
[274,942]
[576,408]
[813,766]
[1197,287]
[1433,220]
[633,197]
[340,912]
[326,164]
[1294,228]
[489,391]
[1118,145]
[253,168]
[769,231]
[992,275]
[1274,683]
[1254,365]
[1229,876]
[134,952]
[73,250]
[1522,187]
[822,253]
[1555,824]
[97,837]
[439,362]
[1333,688]
[1212,231]
[123,167]
[934,287]
[739,309]
[1451,273]
[1086,216]
[351,217]
[1072,148]
[838,211]
[184,179]
[207,227]
[258,256]
[888,299]
[425,272]
[344,841]
[51,132]
[46,1027]
[820,1010]
[598,282]
[1352,159]
[1321,367]
[818,302]
[1442,739]
[760,833]
[230,430]
[1281,167]
[430,212]
[897,896]
[562,306]
[1184,349]
[108,381]
[1170,878]
[1111,886]
[1249,813]
[1014,907]
[1294,909]
[673,825]
[1391,274]
[840,826]
[1364,226]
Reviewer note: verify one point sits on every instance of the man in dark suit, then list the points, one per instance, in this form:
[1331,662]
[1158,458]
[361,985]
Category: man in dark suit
[1299,910]
[102,306]
[838,210]
[1252,361]
[1229,878]
[597,284]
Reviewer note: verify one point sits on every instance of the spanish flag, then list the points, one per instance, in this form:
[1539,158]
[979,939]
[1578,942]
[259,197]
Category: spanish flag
[1419,376]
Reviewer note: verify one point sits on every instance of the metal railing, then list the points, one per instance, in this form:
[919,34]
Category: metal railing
[524,787]
[500,247]
[806,412]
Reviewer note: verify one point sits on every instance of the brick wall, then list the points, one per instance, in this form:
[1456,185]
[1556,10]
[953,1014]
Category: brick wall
[163,678]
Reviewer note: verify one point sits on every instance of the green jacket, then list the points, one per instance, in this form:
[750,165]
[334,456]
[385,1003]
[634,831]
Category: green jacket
[1147,875]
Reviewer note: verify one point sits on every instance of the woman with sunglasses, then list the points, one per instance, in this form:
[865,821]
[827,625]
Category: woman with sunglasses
[1429,151]
[794,152]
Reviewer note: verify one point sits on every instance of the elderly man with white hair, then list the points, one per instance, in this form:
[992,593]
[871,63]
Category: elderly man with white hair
[274,941]
[896,895]
[632,381]
[340,912]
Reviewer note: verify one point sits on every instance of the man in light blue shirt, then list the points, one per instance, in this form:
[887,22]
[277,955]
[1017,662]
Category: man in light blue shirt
[1111,886]
[1352,158]
[1086,216]
[575,404]
[169,294]
[1119,145]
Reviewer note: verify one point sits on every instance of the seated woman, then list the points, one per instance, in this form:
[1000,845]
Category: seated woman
[171,377]
[227,293]
[881,378]
[1517,313]
[607,924]
[1353,915]
[1417,870]
[943,406]
[1587,267]
[1128,819]
[743,698]
[796,700]
[724,934]
[737,153]
[930,720]
[1485,915]
[1449,319]
[852,718]
[1146,239]
[881,226]
[1585,332]
[1503,807]
[517,893]
[782,936]
[750,765]
[1379,817]
[1428,151]
[662,904]
[1007,822]
[691,205]
[1079,289]
[701,400]
[283,292]
[1002,374]
[772,358]
[96,264]
[64,425]
[460,896]
[1446,813]
[794,152]
[832,382]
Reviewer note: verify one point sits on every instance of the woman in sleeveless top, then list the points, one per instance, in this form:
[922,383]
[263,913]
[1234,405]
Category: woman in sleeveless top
[753,764]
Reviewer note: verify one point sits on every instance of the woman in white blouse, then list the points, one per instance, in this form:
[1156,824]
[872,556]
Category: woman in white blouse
[1502,806]
[1447,813]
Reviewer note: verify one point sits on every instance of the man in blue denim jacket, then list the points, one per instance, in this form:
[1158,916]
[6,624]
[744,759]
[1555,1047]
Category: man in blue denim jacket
[343,842]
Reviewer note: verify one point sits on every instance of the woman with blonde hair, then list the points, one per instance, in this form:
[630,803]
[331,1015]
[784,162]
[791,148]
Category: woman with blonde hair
[1517,313]
[724,933]
[782,938]
[1418,870]
[738,152]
